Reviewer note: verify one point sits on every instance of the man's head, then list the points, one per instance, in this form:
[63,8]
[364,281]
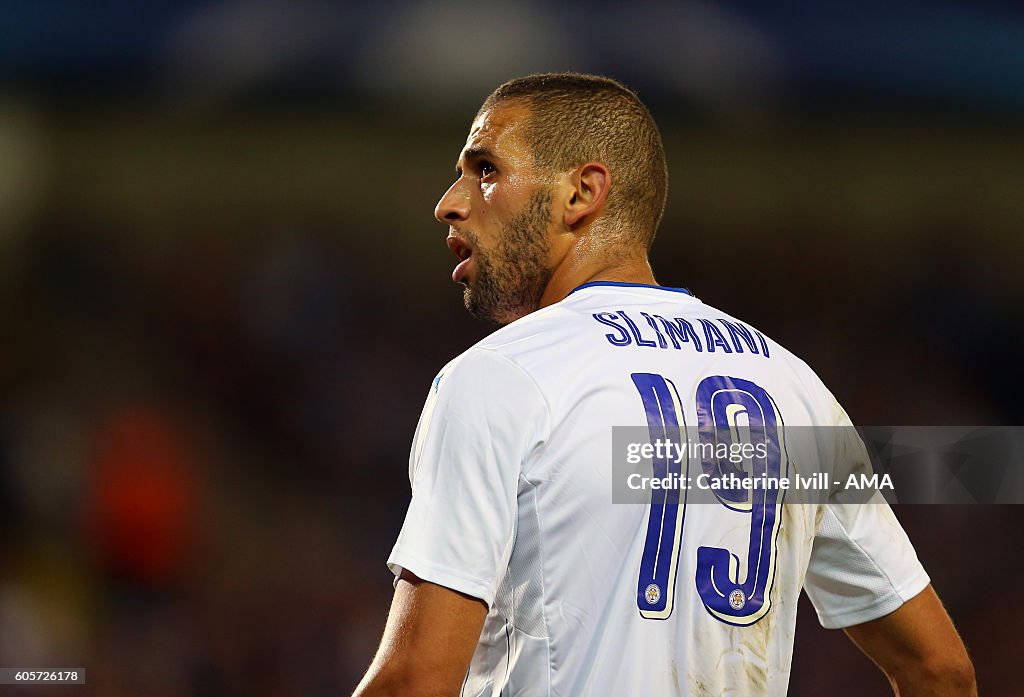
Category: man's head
[558,170]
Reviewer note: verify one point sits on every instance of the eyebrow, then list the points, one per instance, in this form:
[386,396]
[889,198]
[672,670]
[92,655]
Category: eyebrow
[473,154]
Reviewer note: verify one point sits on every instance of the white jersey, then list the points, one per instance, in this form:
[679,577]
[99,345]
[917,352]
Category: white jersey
[511,471]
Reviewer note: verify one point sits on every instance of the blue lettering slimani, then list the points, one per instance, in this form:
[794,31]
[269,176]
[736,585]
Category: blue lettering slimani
[655,331]
[608,319]
[640,341]
[680,331]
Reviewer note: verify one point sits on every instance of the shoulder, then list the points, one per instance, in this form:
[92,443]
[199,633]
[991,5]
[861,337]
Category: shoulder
[482,376]
[516,344]
[527,331]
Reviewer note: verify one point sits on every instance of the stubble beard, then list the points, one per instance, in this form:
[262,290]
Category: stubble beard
[511,279]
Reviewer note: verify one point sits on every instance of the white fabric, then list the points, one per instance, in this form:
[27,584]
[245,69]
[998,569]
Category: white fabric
[512,503]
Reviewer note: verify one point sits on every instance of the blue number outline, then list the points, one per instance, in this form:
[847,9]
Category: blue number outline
[656,582]
[741,604]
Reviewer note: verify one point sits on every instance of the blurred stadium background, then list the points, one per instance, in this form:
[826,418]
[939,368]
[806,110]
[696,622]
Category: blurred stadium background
[225,296]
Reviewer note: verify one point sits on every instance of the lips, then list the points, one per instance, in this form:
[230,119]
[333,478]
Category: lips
[464,252]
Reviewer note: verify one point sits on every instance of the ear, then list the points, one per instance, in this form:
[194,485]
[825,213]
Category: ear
[590,185]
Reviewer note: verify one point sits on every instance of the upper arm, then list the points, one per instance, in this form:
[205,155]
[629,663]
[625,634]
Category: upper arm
[428,641]
[862,564]
[484,419]
[917,645]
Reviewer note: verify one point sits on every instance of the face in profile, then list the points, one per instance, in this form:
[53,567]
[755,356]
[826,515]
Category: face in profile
[499,213]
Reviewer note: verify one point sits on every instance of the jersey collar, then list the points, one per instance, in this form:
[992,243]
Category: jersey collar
[621,284]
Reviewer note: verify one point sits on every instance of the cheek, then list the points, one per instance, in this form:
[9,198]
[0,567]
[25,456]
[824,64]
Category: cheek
[504,194]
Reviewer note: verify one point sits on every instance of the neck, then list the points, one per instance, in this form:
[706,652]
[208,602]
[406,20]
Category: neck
[575,271]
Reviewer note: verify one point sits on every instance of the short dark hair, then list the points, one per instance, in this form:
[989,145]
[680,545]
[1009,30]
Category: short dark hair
[575,118]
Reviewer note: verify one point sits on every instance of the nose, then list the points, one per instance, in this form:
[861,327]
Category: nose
[454,205]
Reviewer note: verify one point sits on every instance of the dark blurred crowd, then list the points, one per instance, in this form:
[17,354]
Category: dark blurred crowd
[203,459]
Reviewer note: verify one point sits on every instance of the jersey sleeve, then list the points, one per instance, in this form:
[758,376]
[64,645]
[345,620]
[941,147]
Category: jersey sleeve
[862,564]
[483,417]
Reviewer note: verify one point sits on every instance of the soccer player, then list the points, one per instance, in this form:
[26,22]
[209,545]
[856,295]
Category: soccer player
[516,574]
